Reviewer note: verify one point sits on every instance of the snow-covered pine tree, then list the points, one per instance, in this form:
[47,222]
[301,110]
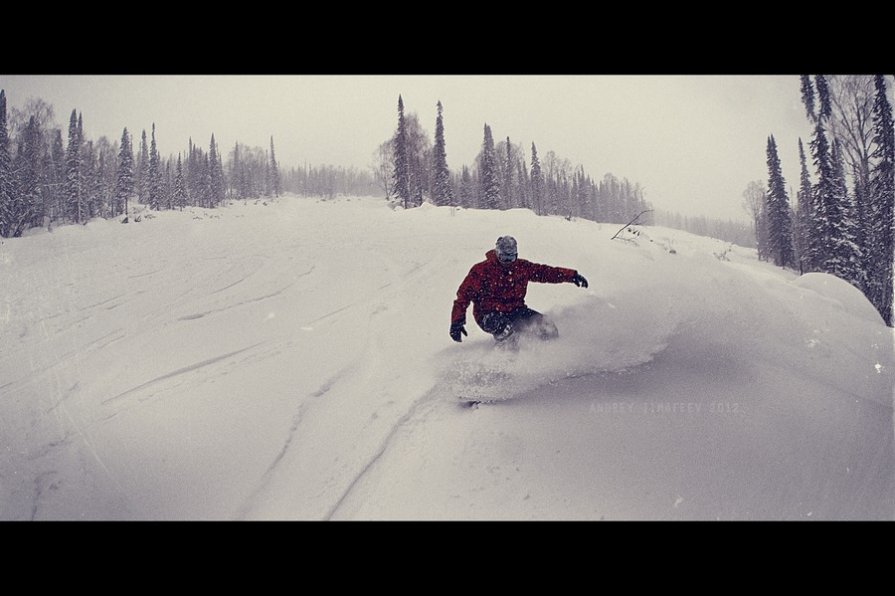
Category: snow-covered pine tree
[600,203]
[238,177]
[202,180]
[604,198]
[882,203]
[274,170]
[585,203]
[508,191]
[551,204]
[98,190]
[779,221]
[570,192]
[572,205]
[633,198]
[580,199]
[168,187]
[808,97]
[103,165]
[418,160]
[537,182]
[189,173]
[192,176]
[141,176]
[57,178]
[220,175]
[442,193]
[46,184]
[90,178]
[207,186]
[124,183]
[27,202]
[267,177]
[490,186]
[803,215]
[617,202]
[74,182]
[155,175]
[6,186]
[823,96]
[245,173]
[105,177]
[820,235]
[206,181]
[401,174]
[179,186]
[862,231]
[843,258]
[111,174]
[559,186]
[233,171]
[174,162]
[523,185]
[596,201]
[218,184]
[466,189]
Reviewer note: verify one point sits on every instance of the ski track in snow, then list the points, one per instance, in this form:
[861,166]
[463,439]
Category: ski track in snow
[179,371]
[236,305]
[375,305]
[39,486]
[101,302]
[398,426]
[250,502]
[85,438]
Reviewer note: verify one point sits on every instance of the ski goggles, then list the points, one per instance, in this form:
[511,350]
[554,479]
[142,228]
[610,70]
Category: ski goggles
[506,257]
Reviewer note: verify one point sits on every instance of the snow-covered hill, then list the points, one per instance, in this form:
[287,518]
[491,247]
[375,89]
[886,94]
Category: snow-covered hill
[290,359]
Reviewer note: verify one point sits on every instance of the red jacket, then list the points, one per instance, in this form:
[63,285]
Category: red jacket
[491,286]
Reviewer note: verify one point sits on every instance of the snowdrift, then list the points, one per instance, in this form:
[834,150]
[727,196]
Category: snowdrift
[290,359]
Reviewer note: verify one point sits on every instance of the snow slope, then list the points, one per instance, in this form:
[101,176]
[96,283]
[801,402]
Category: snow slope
[290,359]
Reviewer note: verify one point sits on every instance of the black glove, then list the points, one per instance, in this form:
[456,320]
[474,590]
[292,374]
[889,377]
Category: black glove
[579,281]
[457,327]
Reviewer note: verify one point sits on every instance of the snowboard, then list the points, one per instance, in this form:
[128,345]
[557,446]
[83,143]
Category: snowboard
[471,402]
[491,379]
[481,385]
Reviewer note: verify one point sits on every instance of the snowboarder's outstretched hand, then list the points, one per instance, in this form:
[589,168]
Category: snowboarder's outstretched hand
[458,327]
[579,281]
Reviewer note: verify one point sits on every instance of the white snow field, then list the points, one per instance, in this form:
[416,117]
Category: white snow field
[290,359]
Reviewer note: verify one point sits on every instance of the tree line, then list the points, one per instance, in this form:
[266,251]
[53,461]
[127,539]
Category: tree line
[45,181]
[411,170]
[843,220]
[328,181]
[728,230]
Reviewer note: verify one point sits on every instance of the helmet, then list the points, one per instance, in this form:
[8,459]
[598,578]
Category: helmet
[506,249]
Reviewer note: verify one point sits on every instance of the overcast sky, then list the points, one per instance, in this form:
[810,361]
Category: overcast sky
[693,142]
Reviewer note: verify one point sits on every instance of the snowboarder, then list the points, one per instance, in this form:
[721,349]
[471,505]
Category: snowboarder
[497,288]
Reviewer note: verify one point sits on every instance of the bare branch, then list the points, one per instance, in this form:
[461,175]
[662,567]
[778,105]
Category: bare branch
[852,100]
[630,223]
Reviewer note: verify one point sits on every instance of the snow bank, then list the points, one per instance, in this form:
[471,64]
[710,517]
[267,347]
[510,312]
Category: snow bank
[850,300]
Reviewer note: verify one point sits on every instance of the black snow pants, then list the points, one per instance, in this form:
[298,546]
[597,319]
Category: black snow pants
[503,324]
